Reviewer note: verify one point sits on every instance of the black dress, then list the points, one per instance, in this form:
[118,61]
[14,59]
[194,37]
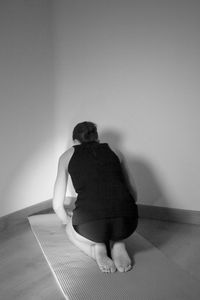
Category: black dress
[98,179]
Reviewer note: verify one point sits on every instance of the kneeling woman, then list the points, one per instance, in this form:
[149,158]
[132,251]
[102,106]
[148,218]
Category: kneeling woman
[105,212]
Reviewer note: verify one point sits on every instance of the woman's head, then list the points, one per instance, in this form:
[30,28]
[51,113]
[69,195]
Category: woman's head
[85,132]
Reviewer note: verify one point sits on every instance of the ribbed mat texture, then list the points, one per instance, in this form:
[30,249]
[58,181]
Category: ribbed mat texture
[153,277]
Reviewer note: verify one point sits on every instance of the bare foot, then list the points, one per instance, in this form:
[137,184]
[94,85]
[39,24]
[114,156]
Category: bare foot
[120,257]
[104,262]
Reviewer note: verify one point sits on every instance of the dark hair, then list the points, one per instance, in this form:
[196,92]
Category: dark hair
[85,132]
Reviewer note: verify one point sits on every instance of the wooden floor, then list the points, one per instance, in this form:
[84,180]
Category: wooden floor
[25,275]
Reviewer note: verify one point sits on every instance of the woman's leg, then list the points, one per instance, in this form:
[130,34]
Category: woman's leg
[122,228]
[104,262]
[97,251]
[120,256]
[87,246]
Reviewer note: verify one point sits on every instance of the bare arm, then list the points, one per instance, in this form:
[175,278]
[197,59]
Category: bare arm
[61,186]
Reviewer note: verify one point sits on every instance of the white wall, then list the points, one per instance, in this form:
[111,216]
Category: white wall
[130,66]
[27,129]
[133,67]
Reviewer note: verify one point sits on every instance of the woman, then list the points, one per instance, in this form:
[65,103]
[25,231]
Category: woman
[105,212]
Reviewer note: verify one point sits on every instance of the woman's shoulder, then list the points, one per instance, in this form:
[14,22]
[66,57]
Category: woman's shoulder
[66,156]
[117,152]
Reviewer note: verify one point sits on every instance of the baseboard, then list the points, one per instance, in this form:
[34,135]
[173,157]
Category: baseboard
[20,216]
[145,211]
[169,214]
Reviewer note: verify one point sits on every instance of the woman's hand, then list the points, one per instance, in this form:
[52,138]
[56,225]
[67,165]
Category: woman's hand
[61,185]
[68,219]
[69,213]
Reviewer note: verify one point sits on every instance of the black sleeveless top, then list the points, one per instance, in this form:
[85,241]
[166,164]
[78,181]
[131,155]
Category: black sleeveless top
[98,179]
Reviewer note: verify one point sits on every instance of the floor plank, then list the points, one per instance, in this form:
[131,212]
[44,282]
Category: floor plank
[179,242]
[24,273]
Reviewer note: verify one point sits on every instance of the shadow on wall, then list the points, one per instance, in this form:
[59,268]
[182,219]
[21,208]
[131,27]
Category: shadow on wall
[149,189]
[142,173]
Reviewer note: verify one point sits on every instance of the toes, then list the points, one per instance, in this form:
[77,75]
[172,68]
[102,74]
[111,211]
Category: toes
[128,268]
[120,269]
[113,269]
[106,265]
[123,269]
[107,269]
[104,269]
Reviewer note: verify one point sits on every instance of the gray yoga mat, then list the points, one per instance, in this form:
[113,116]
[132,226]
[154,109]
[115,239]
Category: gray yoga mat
[153,277]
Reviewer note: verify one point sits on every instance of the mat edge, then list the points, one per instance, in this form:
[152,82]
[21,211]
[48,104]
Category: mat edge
[52,270]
